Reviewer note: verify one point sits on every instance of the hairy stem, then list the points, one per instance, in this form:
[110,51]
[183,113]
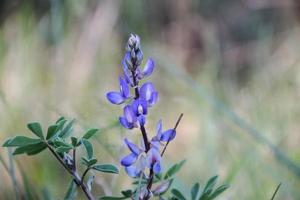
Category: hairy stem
[74,174]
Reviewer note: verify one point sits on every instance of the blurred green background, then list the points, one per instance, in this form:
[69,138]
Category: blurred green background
[232,67]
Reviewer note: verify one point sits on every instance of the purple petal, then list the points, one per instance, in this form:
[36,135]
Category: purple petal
[146,91]
[148,69]
[153,156]
[126,62]
[159,128]
[153,99]
[168,135]
[138,73]
[129,115]
[125,123]
[124,89]
[139,107]
[115,97]
[128,160]
[131,171]
[156,168]
[155,144]
[132,147]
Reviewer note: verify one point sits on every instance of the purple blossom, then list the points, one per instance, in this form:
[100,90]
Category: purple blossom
[119,97]
[135,112]
[153,160]
[148,93]
[129,119]
[132,157]
[165,136]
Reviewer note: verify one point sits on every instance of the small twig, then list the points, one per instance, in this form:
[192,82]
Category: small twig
[175,127]
[74,174]
[276,190]
[84,173]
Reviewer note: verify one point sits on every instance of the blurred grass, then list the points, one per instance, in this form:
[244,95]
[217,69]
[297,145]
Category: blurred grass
[63,60]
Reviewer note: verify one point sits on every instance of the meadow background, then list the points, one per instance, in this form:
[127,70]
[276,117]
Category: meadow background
[232,67]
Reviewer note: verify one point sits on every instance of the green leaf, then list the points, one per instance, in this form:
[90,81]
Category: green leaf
[31,149]
[20,141]
[63,149]
[106,168]
[51,131]
[71,192]
[210,185]
[127,193]
[90,133]
[60,119]
[218,191]
[36,128]
[177,194]
[60,123]
[85,161]
[65,132]
[59,143]
[89,148]
[74,141]
[174,169]
[92,161]
[195,191]
[37,149]
[112,198]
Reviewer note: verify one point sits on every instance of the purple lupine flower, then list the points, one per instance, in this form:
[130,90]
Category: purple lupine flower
[153,160]
[148,93]
[133,156]
[135,111]
[148,68]
[129,119]
[119,97]
[165,136]
[138,168]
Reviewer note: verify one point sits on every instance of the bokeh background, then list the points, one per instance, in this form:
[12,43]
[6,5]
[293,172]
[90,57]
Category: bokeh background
[232,67]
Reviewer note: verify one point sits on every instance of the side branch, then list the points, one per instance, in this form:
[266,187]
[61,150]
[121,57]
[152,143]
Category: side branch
[175,127]
[74,174]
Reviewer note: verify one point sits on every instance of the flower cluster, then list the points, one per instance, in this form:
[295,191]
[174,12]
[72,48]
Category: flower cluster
[135,111]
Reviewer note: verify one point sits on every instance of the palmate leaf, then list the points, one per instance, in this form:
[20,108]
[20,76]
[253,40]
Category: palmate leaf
[106,168]
[178,195]
[90,133]
[36,128]
[174,169]
[88,162]
[89,148]
[52,130]
[209,193]
[62,146]
[195,191]
[210,185]
[67,130]
[20,141]
[31,149]
[218,191]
